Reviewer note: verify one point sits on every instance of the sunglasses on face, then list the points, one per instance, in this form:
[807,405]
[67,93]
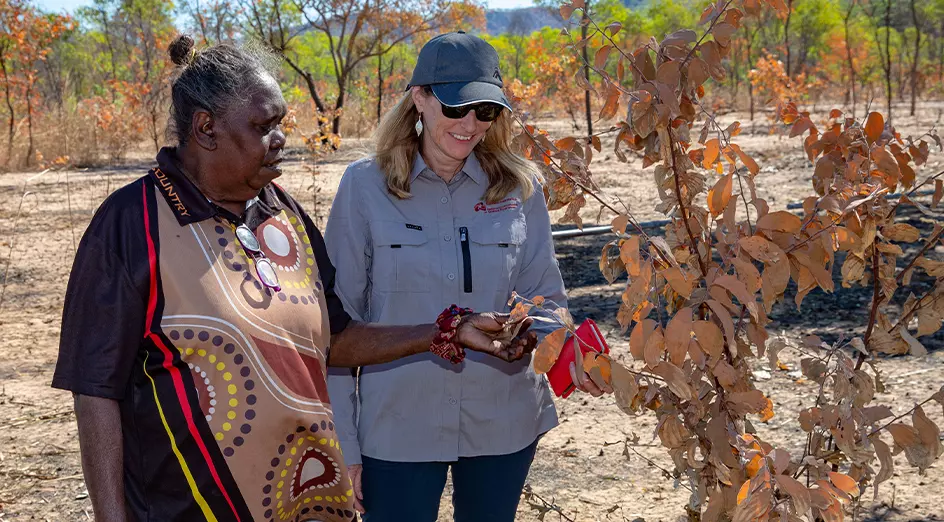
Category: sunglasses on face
[265,271]
[483,111]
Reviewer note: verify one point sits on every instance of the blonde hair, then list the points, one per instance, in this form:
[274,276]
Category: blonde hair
[397,146]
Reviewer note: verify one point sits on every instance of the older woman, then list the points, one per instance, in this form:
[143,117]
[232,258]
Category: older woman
[201,315]
[443,212]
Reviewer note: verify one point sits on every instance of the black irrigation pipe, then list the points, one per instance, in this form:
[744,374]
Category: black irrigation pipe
[603,229]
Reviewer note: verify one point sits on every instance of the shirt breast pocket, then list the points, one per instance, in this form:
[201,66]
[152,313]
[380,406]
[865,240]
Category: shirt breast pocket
[496,254]
[400,257]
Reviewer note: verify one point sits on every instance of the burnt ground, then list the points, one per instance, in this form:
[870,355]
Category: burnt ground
[579,466]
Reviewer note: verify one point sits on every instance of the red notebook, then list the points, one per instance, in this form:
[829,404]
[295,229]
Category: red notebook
[559,375]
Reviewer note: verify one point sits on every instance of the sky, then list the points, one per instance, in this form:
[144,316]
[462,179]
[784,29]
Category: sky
[70,5]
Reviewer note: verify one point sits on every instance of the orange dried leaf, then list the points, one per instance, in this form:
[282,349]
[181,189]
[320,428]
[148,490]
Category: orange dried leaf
[768,412]
[844,483]
[639,337]
[520,311]
[675,379]
[802,125]
[761,249]
[724,317]
[669,74]
[677,280]
[678,334]
[748,161]
[598,367]
[747,402]
[736,287]
[780,221]
[625,387]
[902,232]
[629,254]
[754,465]
[884,455]
[712,150]
[546,354]
[619,225]
[710,338]
[655,346]
[567,143]
[566,11]
[874,126]
[599,59]
[747,273]
[798,492]
[697,72]
[720,194]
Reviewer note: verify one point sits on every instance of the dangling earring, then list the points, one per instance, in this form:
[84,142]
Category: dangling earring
[419,125]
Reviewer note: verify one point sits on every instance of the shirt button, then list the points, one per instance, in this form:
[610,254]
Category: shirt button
[444,200]
[452,401]
[448,238]
[451,276]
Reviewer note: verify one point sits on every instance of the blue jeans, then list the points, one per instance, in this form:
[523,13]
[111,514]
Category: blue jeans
[486,489]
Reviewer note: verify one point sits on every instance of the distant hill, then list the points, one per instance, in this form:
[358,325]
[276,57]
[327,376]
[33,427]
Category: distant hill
[526,20]
[522,21]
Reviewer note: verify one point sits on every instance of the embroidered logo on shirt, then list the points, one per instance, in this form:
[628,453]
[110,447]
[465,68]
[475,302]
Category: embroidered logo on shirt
[413,227]
[172,195]
[505,204]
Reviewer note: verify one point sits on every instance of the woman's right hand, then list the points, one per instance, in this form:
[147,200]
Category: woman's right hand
[355,471]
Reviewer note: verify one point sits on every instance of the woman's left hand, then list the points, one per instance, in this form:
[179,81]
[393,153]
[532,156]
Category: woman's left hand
[483,333]
[584,382]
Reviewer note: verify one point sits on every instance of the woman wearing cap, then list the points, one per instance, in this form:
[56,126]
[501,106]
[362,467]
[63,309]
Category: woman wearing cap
[443,212]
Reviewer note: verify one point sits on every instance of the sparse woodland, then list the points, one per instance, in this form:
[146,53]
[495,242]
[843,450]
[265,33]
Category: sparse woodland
[653,82]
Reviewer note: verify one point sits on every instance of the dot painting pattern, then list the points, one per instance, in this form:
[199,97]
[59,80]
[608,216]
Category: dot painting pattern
[252,355]
[227,405]
[304,480]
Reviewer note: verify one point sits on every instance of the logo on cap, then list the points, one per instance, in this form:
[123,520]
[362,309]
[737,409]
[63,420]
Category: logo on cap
[497,75]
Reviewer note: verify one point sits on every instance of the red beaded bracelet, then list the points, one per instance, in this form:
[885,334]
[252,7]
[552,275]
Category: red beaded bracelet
[443,344]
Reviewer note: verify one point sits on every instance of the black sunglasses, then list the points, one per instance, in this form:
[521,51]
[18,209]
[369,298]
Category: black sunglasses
[483,111]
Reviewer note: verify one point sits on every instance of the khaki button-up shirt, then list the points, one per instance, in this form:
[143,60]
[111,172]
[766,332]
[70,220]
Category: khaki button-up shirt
[402,262]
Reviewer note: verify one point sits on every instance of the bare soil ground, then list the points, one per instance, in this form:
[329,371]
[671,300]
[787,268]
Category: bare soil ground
[43,216]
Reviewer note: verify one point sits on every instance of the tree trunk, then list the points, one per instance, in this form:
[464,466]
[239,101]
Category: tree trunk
[9,100]
[310,82]
[852,72]
[888,57]
[586,72]
[917,56]
[750,66]
[380,87]
[338,105]
[155,135]
[940,57]
[29,124]
[786,34]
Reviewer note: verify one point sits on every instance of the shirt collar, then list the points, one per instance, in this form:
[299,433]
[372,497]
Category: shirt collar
[189,204]
[472,168]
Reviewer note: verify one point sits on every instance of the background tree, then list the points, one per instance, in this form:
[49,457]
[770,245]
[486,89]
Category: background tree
[26,38]
[355,31]
[215,21]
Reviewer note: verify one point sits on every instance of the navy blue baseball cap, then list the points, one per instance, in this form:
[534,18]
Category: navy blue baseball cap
[461,69]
